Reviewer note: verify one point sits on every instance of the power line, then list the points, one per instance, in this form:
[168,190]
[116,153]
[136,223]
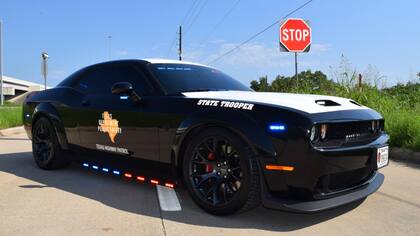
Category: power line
[225,16]
[260,32]
[196,16]
[185,19]
[189,11]
[172,44]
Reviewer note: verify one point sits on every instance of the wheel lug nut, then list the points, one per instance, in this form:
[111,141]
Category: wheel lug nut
[229,170]
[218,173]
[218,165]
[225,163]
[225,176]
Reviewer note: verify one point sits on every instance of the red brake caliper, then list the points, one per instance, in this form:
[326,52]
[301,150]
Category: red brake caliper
[209,167]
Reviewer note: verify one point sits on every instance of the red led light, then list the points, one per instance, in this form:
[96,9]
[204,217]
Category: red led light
[169,185]
[140,178]
[153,181]
[128,175]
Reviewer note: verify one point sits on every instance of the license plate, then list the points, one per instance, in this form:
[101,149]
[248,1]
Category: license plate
[382,157]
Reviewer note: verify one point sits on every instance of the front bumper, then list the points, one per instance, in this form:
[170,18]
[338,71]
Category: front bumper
[270,201]
[322,178]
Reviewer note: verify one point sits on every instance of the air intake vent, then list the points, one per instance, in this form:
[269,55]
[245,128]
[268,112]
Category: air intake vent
[355,103]
[326,103]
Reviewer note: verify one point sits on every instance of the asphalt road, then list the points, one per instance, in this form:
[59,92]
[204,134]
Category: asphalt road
[76,201]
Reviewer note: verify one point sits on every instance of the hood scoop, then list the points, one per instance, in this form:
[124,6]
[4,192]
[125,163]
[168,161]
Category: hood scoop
[327,103]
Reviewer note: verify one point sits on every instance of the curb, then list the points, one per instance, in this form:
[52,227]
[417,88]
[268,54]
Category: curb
[11,131]
[405,155]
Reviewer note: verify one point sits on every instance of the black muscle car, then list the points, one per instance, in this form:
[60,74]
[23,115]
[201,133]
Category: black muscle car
[231,147]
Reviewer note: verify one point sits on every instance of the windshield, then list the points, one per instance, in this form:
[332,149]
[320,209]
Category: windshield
[178,78]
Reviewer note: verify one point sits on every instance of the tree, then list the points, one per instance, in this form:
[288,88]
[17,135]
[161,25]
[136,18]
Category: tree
[261,85]
[309,82]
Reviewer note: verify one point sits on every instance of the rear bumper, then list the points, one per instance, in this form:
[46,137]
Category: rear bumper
[364,190]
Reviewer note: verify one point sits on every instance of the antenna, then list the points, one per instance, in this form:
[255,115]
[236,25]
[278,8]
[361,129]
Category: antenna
[180,43]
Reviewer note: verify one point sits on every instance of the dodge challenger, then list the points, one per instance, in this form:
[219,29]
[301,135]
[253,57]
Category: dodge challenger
[232,148]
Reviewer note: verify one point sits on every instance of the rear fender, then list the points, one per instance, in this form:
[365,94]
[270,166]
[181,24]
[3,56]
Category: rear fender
[49,111]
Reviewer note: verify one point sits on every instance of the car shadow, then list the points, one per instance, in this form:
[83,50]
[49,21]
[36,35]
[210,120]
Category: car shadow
[138,198]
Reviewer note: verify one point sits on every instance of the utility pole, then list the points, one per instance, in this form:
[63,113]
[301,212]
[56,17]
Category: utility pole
[109,46]
[44,68]
[180,43]
[296,72]
[1,66]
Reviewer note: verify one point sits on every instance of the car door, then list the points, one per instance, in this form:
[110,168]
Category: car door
[114,123]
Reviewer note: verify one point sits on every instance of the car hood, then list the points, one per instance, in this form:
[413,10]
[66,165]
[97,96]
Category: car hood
[308,103]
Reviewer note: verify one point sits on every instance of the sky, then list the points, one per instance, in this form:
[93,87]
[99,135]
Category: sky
[383,35]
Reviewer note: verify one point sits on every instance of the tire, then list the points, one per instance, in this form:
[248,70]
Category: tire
[221,172]
[46,150]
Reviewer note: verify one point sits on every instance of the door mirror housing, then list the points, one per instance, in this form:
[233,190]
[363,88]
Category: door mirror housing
[125,88]
[122,88]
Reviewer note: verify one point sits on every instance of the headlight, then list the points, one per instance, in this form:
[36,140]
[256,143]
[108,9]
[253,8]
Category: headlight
[313,133]
[373,126]
[323,131]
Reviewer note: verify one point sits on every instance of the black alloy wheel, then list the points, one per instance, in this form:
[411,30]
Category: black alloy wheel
[221,173]
[215,171]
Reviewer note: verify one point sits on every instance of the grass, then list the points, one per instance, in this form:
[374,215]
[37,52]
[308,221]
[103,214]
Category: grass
[10,116]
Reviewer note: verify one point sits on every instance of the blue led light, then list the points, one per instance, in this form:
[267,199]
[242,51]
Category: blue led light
[123,97]
[105,169]
[277,127]
[85,164]
[116,172]
[95,167]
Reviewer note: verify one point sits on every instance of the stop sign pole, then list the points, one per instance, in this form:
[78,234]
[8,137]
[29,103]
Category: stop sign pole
[295,36]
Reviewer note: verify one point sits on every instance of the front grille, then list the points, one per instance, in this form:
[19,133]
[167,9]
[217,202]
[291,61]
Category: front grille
[350,133]
[331,183]
[349,179]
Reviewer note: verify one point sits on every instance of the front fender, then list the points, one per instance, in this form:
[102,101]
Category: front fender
[238,122]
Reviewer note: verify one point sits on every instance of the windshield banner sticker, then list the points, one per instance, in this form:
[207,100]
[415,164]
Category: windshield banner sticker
[227,104]
[109,125]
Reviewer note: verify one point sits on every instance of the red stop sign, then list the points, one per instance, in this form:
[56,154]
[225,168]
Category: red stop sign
[295,35]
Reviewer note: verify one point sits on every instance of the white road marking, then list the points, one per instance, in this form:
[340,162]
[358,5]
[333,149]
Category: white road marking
[167,199]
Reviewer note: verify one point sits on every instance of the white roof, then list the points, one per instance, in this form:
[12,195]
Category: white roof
[19,81]
[169,61]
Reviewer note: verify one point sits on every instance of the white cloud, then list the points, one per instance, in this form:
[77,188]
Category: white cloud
[254,59]
[122,53]
[251,55]
[319,47]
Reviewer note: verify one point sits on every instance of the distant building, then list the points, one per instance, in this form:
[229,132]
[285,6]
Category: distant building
[13,88]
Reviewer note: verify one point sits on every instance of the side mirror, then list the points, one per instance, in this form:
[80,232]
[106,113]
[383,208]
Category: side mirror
[125,88]
[122,88]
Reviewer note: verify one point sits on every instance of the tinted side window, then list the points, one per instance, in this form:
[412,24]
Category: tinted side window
[99,79]
[69,81]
